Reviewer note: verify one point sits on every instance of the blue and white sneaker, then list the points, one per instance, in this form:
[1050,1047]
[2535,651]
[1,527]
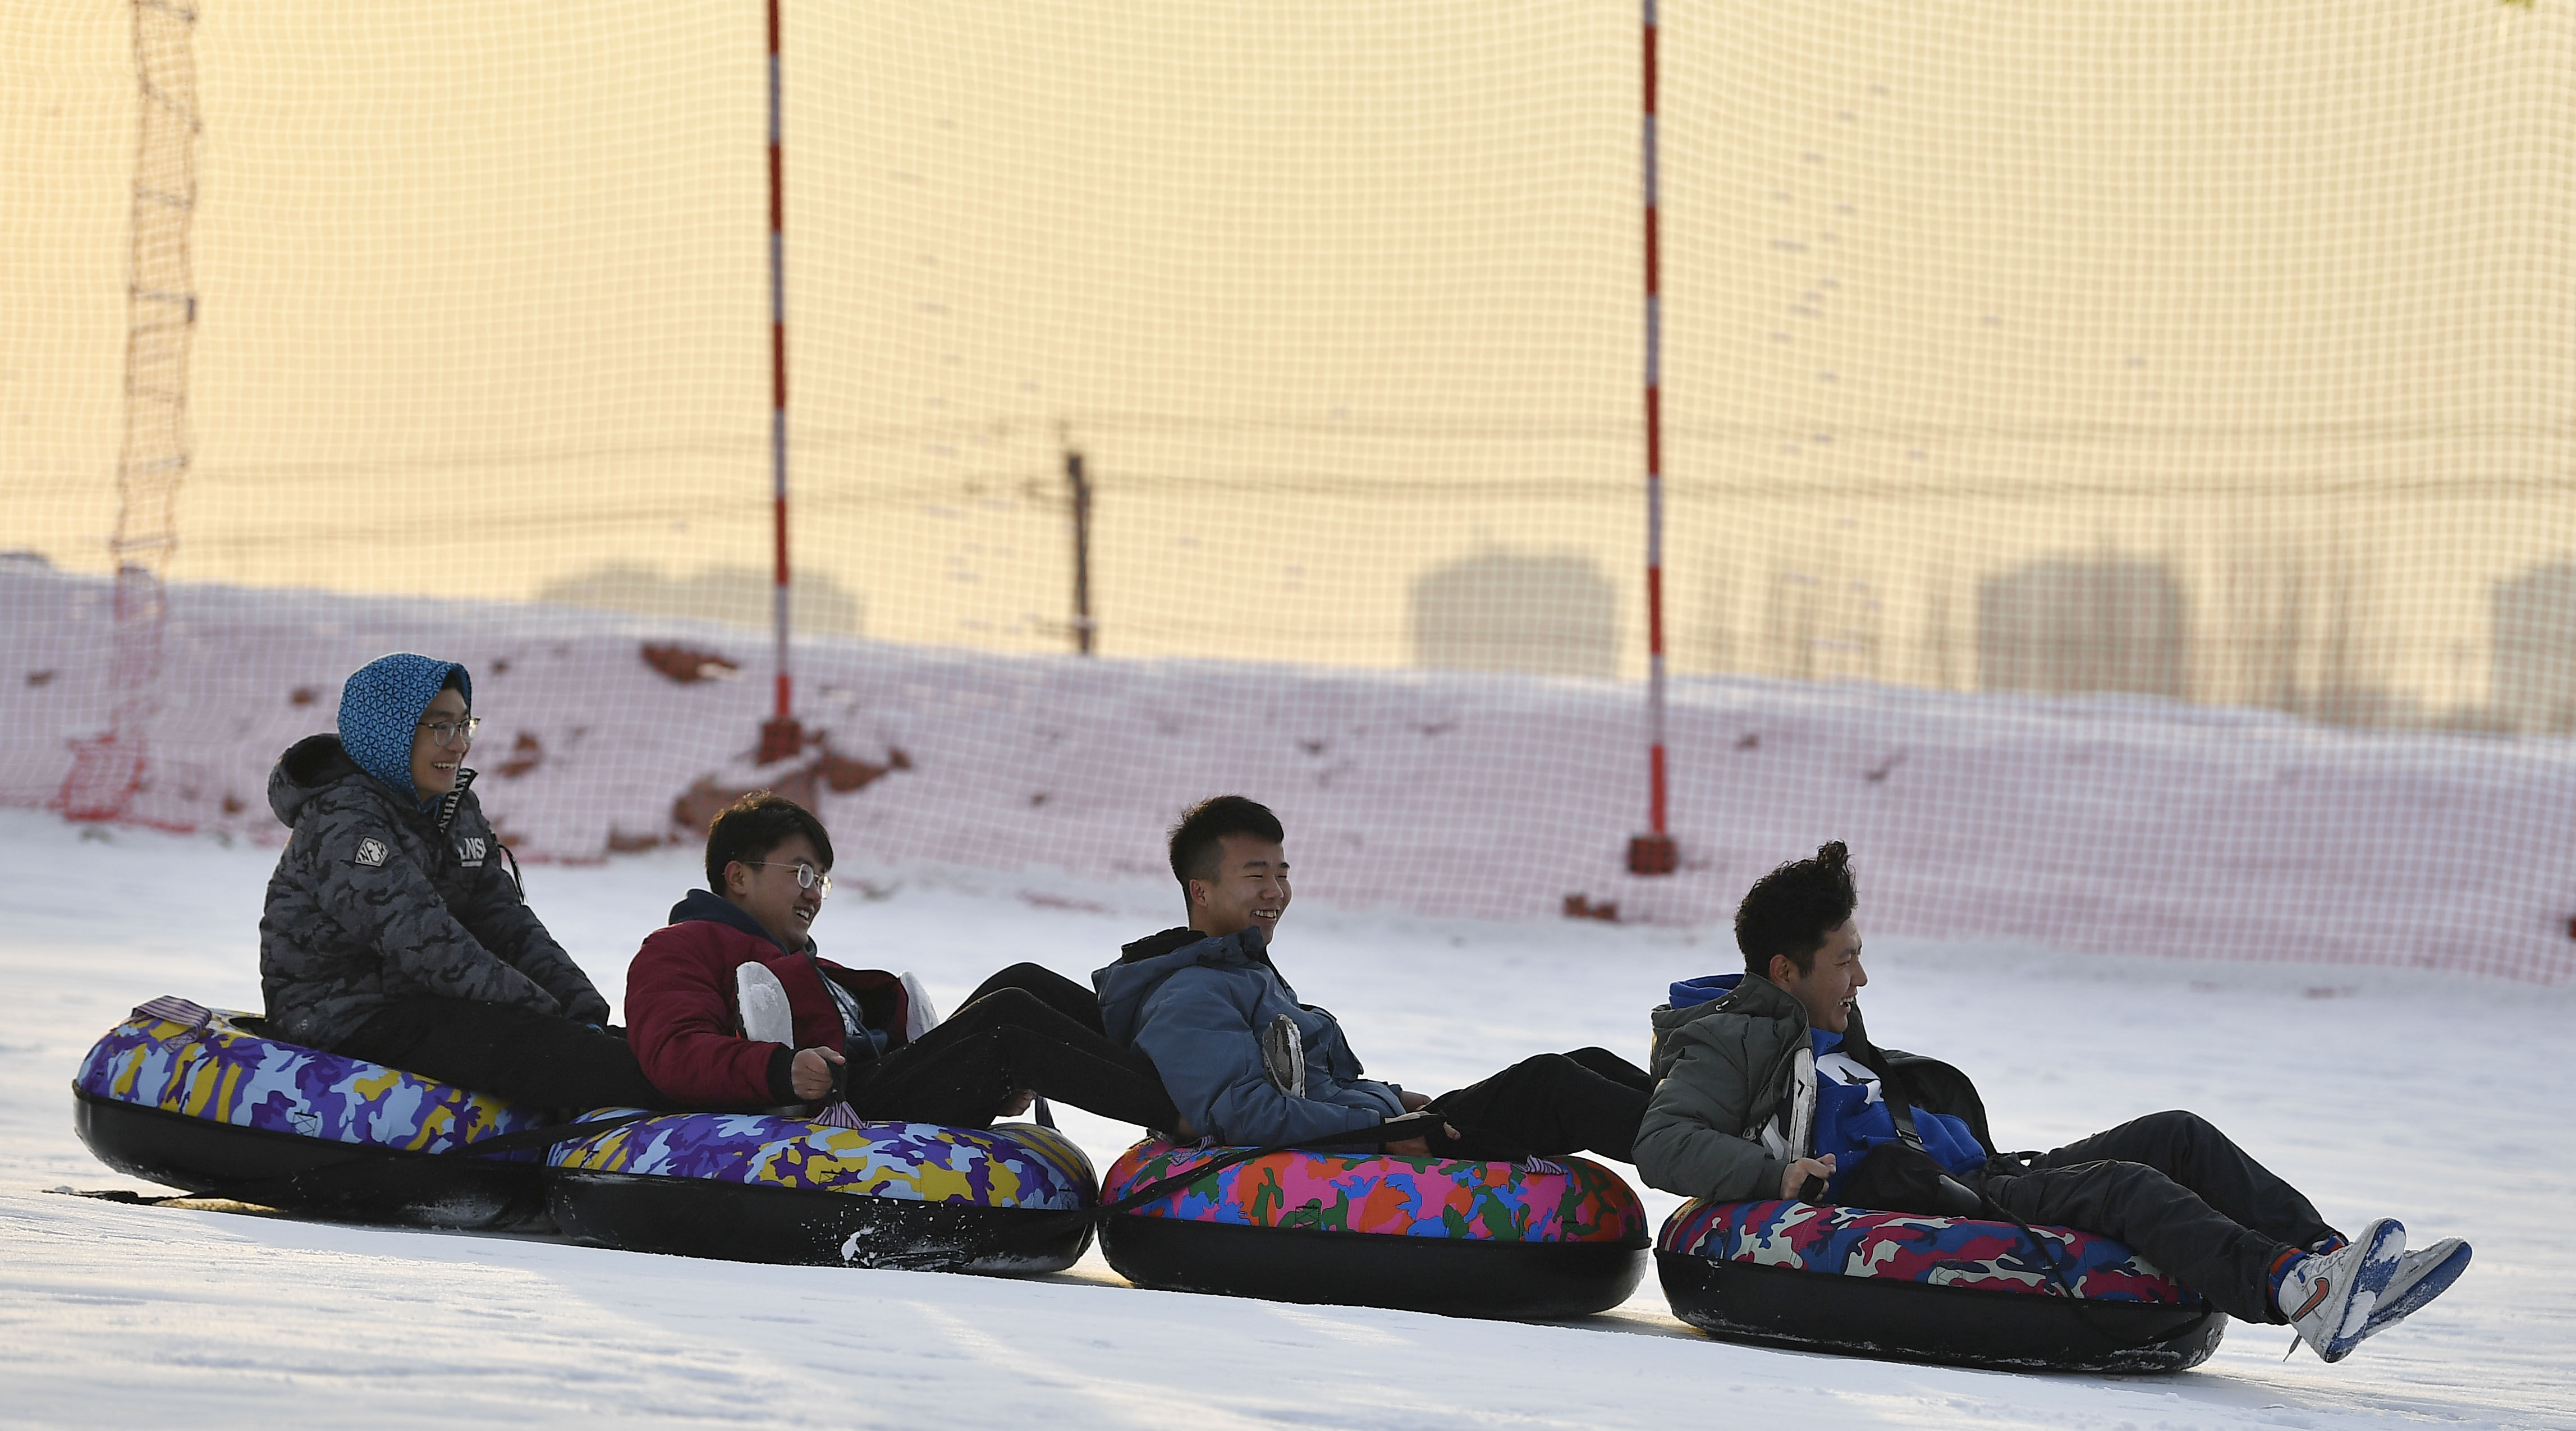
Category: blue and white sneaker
[2419,1278]
[2329,1298]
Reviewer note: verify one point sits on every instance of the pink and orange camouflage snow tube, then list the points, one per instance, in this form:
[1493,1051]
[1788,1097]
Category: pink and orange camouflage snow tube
[1494,1239]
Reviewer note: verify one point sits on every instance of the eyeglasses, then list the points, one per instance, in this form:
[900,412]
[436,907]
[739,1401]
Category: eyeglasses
[448,732]
[807,877]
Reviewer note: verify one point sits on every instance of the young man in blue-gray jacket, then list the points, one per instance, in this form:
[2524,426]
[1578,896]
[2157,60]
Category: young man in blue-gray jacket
[1246,1063]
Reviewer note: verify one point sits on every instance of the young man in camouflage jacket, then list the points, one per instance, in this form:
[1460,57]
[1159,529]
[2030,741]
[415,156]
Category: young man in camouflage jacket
[392,931]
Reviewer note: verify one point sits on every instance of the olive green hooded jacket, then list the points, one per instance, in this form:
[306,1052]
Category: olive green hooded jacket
[1735,1093]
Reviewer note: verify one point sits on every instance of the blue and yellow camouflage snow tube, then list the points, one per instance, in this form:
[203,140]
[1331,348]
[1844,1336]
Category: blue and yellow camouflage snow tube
[752,1187]
[203,1099]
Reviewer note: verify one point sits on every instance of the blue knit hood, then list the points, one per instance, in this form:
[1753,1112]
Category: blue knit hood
[380,707]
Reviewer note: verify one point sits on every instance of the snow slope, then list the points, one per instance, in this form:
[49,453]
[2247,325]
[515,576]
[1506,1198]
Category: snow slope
[2437,1098]
[2119,824]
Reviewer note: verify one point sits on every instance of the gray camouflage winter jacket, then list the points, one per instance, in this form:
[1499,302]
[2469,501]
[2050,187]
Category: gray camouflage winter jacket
[376,900]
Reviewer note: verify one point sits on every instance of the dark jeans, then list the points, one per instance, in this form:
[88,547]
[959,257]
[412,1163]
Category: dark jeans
[1026,1027]
[506,1051]
[1590,1099]
[2179,1193]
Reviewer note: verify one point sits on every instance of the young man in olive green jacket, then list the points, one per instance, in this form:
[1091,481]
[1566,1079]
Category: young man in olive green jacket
[1774,1091]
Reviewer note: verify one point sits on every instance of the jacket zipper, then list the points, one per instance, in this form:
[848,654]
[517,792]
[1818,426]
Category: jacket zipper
[1788,1056]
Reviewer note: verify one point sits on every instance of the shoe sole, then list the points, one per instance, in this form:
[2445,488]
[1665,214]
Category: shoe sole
[2435,1281]
[2387,1247]
[760,1000]
[1283,1056]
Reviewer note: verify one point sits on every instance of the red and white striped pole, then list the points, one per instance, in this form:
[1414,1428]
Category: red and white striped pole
[780,736]
[1653,853]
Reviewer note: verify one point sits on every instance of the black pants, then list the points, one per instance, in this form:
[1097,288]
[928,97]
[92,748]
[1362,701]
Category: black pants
[1074,1001]
[1589,1099]
[2181,1194]
[1026,1027]
[506,1051]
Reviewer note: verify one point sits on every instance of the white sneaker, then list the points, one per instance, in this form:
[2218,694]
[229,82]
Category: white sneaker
[2419,1278]
[2329,1298]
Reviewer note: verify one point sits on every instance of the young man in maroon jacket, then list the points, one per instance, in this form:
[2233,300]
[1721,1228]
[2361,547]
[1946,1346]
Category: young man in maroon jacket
[864,1032]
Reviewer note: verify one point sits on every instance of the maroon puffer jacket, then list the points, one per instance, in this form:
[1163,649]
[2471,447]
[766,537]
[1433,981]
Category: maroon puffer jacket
[681,1016]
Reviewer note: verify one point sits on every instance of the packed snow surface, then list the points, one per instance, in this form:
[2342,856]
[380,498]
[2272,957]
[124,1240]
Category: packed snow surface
[2436,1098]
[2118,824]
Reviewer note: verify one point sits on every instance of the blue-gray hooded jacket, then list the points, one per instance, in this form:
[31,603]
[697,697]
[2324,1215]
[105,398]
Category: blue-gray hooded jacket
[1196,1005]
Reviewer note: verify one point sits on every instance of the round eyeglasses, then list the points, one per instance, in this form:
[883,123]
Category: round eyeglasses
[449,732]
[807,877]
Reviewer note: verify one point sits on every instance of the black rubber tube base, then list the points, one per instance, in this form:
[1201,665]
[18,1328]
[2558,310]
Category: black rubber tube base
[1949,1326]
[1454,1276]
[740,1222]
[308,1175]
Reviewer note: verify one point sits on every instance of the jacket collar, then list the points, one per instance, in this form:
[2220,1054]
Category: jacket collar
[1144,965]
[706,906]
[1155,946]
[1245,946]
[318,762]
[448,802]
[1691,993]
[1754,998]
[1762,999]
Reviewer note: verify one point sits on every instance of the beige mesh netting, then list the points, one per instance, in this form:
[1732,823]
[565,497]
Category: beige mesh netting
[2136,364]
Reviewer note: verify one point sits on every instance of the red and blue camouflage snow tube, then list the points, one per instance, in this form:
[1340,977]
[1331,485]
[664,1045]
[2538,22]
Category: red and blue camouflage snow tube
[1961,1291]
[750,1187]
[1487,1239]
[203,1099]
